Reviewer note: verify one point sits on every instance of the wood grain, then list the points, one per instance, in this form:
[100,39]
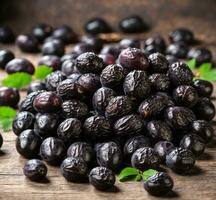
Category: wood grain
[200,185]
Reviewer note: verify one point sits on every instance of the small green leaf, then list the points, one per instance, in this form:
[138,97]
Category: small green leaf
[128,173]
[6,124]
[138,177]
[150,172]
[191,64]
[205,68]
[17,80]
[209,76]
[206,72]
[7,115]
[42,71]
[128,178]
[7,112]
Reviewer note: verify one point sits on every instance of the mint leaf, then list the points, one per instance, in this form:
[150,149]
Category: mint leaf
[17,80]
[209,76]
[191,64]
[206,72]
[128,173]
[7,112]
[42,71]
[138,177]
[205,68]
[7,115]
[6,124]
[150,172]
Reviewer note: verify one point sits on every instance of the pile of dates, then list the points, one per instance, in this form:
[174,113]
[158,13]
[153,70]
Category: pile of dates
[105,107]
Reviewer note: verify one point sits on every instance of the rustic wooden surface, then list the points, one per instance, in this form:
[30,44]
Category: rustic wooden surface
[164,16]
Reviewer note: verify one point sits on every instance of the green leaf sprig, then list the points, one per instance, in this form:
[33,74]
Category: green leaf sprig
[191,64]
[133,174]
[17,80]
[7,115]
[22,79]
[204,71]
[42,71]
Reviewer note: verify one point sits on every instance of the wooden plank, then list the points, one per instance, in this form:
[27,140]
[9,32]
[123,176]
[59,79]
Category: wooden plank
[200,185]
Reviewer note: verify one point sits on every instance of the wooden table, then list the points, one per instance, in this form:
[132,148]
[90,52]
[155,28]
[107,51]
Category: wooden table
[165,15]
[13,185]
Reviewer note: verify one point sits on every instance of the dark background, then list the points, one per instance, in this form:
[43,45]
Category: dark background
[199,15]
[162,15]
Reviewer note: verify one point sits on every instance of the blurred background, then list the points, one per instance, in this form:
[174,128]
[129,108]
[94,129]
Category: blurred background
[162,15]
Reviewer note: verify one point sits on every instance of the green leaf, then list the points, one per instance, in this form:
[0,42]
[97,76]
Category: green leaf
[150,172]
[209,76]
[128,178]
[205,68]
[6,124]
[7,115]
[7,112]
[206,72]
[191,64]
[128,173]
[138,177]
[17,80]
[42,71]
